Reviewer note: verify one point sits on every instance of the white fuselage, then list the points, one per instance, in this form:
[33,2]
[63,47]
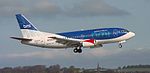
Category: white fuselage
[42,40]
[77,39]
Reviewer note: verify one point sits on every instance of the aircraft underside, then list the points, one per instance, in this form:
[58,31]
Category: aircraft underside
[77,48]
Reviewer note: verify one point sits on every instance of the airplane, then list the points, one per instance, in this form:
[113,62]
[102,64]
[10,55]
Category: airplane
[76,39]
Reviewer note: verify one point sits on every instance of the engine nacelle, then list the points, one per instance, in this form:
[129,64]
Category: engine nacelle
[87,44]
[91,45]
[96,46]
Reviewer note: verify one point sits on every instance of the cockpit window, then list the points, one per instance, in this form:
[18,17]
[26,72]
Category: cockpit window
[125,31]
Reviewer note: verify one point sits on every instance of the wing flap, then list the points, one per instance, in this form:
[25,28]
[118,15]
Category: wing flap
[23,39]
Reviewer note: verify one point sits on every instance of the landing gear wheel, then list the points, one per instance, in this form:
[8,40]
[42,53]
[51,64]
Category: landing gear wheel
[79,50]
[75,50]
[120,45]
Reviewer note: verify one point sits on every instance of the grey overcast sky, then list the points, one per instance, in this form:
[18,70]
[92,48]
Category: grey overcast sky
[69,15]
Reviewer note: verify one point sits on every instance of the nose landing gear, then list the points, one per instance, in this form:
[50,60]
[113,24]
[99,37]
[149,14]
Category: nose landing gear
[120,45]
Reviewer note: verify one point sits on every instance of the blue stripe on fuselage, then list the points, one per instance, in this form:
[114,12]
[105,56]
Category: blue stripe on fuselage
[97,34]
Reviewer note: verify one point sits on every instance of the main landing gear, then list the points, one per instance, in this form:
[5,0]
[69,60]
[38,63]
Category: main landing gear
[77,50]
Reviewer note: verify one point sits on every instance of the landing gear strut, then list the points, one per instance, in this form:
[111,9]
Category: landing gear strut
[120,45]
[77,50]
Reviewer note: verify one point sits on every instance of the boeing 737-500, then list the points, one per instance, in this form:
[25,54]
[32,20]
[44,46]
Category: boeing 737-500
[77,39]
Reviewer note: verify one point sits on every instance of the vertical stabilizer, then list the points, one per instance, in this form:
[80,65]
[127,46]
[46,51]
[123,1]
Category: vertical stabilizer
[24,23]
[27,28]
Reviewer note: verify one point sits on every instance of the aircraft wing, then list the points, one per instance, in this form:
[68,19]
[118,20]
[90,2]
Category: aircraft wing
[68,42]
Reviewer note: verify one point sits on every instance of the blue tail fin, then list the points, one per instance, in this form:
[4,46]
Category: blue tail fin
[24,23]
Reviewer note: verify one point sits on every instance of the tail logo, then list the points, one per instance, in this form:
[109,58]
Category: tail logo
[27,26]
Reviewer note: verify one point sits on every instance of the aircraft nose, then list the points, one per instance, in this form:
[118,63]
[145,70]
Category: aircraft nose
[132,34]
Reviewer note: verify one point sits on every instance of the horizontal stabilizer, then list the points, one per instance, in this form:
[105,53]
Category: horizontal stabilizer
[23,39]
